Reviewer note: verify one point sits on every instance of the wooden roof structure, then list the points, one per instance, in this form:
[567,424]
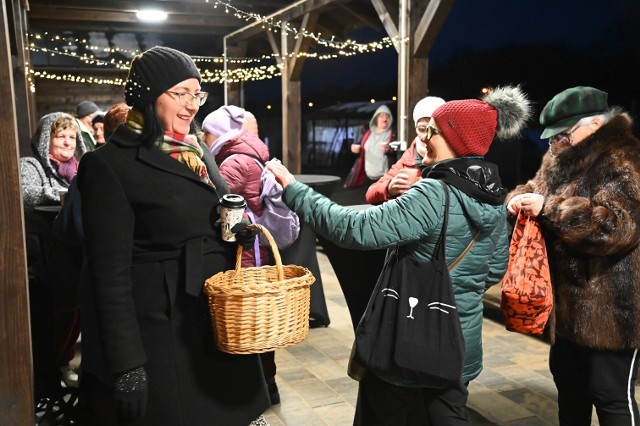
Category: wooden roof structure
[198,27]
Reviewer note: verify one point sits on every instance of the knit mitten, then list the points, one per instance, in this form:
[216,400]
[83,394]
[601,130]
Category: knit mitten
[130,393]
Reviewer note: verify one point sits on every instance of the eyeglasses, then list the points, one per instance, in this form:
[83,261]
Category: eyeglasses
[428,130]
[185,99]
[564,138]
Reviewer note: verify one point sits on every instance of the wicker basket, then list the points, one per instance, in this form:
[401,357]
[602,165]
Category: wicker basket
[259,309]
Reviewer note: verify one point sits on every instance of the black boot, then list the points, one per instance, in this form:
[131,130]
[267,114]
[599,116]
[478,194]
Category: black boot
[273,390]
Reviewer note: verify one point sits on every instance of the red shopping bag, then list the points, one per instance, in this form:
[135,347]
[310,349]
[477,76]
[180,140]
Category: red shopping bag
[527,297]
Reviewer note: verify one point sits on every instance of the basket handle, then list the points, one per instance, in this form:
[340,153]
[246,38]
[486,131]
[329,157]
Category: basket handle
[272,244]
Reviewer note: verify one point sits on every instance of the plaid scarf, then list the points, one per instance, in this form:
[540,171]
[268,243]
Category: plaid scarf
[184,148]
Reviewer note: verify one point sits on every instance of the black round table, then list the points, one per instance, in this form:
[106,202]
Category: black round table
[324,184]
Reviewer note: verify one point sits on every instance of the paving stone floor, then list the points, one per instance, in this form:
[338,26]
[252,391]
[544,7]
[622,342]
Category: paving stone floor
[515,388]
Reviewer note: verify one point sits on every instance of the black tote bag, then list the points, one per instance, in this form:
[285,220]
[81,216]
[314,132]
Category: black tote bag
[410,333]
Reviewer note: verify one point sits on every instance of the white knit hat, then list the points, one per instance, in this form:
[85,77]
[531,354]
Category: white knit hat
[425,107]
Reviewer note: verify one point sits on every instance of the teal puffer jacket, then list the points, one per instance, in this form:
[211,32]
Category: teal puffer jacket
[415,220]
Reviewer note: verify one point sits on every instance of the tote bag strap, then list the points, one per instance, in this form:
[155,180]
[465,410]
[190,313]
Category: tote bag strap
[439,252]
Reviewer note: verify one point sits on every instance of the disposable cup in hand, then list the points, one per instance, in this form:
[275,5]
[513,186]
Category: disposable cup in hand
[231,209]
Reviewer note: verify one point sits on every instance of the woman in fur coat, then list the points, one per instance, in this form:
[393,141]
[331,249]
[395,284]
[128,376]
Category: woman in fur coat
[586,197]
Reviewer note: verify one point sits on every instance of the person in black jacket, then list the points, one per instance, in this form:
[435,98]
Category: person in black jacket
[149,208]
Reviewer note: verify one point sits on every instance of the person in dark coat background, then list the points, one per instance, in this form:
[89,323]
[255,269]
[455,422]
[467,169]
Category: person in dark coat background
[53,266]
[149,207]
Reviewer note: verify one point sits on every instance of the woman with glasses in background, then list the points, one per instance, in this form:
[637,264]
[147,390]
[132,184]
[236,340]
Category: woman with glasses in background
[149,206]
[586,197]
[358,271]
[457,136]
[397,180]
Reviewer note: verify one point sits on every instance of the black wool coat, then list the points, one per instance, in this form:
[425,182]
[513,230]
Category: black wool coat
[151,242]
[591,223]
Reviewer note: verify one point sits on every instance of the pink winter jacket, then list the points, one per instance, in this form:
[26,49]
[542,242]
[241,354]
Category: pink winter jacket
[242,174]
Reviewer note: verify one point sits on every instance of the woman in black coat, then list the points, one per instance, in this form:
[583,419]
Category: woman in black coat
[149,207]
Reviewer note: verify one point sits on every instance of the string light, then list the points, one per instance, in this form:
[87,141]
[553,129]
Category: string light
[233,75]
[272,25]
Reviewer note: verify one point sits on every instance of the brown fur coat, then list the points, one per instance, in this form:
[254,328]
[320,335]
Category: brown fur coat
[591,222]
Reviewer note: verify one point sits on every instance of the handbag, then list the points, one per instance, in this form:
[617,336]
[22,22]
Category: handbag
[410,333]
[526,295]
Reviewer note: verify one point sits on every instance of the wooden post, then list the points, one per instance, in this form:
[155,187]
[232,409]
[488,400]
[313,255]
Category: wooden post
[24,98]
[16,393]
[416,29]
[232,90]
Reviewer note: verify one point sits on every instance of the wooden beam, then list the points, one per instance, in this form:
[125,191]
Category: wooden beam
[291,117]
[16,376]
[183,7]
[360,17]
[291,126]
[167,5]
[123,17]
[302,45]
[430,24]
[24,98]
[233,89]
[51,25]
[289,13]
[387,21]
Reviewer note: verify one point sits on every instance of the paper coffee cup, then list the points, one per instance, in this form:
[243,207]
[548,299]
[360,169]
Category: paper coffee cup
[231,209]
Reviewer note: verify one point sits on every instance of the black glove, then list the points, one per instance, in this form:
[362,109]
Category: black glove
[130,393]
[244,236]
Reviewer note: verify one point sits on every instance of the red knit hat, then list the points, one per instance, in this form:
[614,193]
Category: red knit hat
[470,125]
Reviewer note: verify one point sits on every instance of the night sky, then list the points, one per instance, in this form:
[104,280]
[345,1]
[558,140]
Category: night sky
[472,26]
[483,24]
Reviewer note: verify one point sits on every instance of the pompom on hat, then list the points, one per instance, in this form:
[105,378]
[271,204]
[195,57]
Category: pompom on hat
[154,72]
[570,106]
[470,125]
[425,107]
[225,123]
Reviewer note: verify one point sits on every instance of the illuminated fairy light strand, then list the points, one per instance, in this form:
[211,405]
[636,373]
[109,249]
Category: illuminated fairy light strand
[348,48]
[89,60]
[273,25]
[113,50]
[68,39]
[208,76]
[233,75]
[344,49]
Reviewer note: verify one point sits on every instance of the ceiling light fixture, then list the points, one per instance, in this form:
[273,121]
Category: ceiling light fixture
[151,15]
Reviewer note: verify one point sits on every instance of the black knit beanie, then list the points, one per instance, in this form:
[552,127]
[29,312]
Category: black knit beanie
[155,71]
